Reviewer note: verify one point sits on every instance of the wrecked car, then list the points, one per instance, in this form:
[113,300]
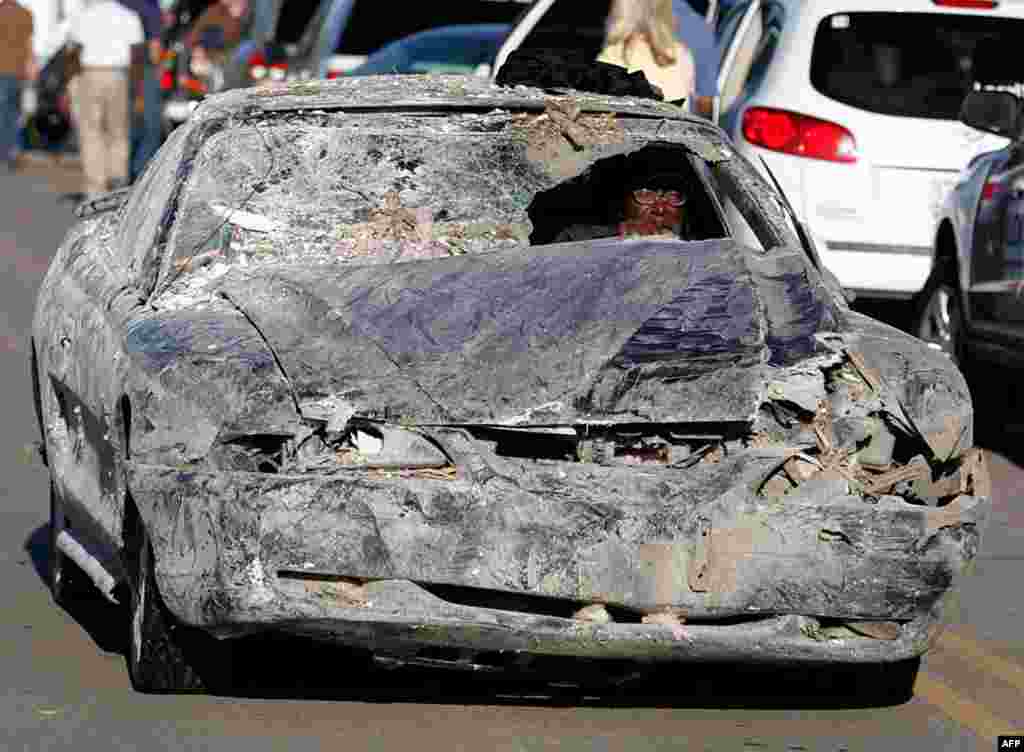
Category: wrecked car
[325,369]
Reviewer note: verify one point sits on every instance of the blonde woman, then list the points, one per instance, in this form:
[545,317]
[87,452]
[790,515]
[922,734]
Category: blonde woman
[640,36]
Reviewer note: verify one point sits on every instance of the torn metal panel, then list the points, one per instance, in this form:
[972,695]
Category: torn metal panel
[921,382]
[658,331]
[699,541]
[201,375]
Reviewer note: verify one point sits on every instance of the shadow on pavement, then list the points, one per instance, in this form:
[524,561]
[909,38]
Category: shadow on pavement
[278,666]
[103,621]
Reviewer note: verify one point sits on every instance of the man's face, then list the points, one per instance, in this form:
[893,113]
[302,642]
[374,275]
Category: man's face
[660,210]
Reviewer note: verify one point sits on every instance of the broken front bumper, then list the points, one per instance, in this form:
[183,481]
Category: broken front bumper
[500,556]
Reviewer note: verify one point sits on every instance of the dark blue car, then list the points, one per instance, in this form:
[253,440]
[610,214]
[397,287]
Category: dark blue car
[465,49]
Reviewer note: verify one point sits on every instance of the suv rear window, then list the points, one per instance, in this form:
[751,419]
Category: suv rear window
[906,64]
[571,24]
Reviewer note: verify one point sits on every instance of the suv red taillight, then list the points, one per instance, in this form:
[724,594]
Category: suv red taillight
[800,135]
[978,4]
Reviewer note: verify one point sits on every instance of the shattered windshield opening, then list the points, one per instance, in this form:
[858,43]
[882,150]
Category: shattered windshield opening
[389,187]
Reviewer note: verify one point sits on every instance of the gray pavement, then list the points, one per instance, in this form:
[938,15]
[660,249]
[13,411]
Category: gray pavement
[64,683]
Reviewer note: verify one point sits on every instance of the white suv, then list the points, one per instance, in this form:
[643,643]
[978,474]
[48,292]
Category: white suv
[853,105]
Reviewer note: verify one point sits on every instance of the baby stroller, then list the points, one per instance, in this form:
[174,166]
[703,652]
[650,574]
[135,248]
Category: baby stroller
[50,125]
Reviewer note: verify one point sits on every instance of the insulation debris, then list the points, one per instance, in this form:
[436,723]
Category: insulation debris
[879,630]
[564,118]
[340,591]
[595,612]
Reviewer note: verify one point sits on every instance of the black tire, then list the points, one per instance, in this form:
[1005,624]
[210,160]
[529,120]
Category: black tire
[163,655]
[888,683]
[940,318]
[56,569]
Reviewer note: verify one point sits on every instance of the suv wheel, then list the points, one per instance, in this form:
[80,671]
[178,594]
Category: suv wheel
[940,320]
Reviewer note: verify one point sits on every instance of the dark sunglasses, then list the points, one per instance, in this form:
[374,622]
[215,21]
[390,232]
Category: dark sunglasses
[646,197]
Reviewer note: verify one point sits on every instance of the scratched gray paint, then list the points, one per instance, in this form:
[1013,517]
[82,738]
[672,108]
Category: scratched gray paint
[580,335]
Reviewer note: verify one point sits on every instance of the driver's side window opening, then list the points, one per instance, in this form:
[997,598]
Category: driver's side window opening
[652,191]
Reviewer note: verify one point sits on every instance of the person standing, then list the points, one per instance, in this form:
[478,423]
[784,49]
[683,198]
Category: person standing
[639,36]
[692,30]
[17,64]
[100,95]
[146,126]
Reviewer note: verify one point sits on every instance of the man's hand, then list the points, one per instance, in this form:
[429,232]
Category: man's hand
[31,68]
[156,51]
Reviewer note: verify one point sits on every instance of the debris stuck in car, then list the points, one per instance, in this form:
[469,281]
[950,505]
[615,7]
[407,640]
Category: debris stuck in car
[328,370]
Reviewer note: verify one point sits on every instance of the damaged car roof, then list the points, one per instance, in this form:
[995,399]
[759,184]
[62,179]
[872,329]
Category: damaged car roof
[413,91]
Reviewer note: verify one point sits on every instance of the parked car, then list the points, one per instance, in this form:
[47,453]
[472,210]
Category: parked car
[972,308]
[460,49]
[270,26]
[574,25]
[853,105]
[326,369]
[340,34]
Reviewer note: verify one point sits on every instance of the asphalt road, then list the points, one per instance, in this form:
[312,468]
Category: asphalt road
[63,677]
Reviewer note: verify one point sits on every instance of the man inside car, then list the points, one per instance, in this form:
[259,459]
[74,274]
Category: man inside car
[653,204]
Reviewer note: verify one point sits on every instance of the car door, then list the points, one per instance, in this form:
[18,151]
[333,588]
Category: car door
[748,37]
[72,338]
[996,290]
[78,353]
[97,280]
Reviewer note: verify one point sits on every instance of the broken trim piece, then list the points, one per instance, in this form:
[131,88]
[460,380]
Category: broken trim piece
[104,581]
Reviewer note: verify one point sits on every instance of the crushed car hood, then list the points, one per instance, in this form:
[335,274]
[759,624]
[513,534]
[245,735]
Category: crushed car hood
[646,330]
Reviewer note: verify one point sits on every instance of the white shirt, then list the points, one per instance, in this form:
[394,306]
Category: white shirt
[106,30]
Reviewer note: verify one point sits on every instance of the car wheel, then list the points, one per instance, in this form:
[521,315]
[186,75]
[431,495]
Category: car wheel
[940,320]
[58,566]
[162,653]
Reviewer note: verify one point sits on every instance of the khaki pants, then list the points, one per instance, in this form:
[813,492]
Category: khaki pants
[100,103]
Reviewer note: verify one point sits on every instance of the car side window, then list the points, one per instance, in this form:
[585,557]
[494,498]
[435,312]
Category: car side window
[142,219]
[754,53]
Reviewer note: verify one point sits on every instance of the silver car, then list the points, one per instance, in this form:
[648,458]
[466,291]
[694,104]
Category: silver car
[327,369]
